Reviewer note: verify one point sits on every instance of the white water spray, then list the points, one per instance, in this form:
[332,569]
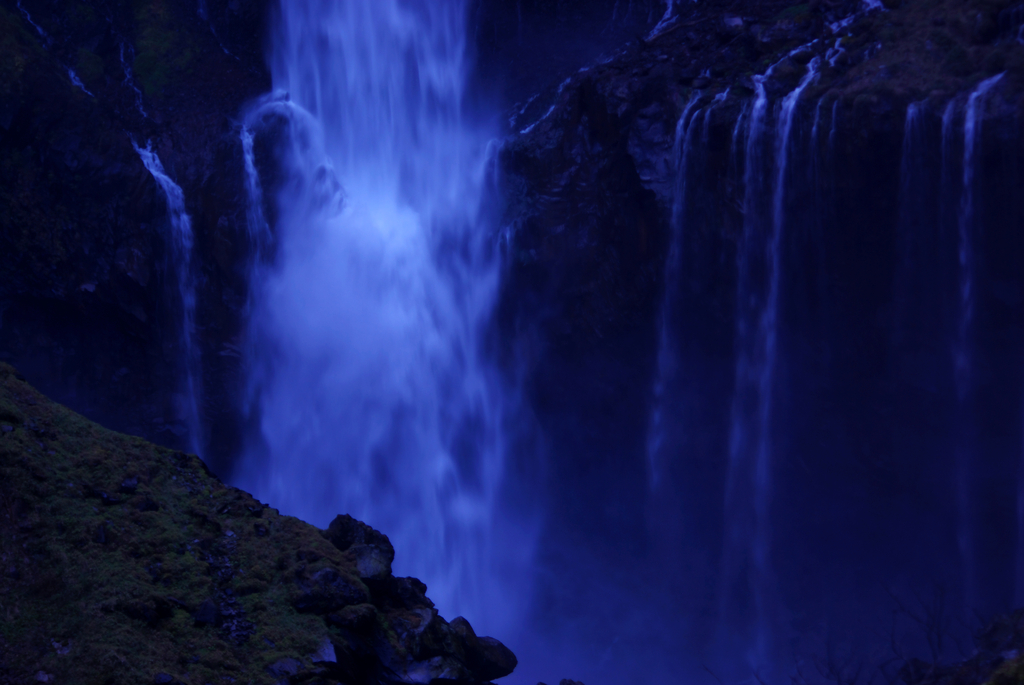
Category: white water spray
[369,375]
[179,243]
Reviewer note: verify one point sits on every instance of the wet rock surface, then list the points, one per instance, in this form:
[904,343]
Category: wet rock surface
[83,291]
[190,591]
[590,172]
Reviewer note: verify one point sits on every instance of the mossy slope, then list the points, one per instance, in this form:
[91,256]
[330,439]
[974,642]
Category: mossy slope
[125,562]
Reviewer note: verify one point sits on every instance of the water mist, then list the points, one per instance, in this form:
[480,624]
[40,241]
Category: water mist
[370,385]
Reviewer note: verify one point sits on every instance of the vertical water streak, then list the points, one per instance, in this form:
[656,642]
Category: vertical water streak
[748,542]
[909,230]
[179,243]
[965,252]
[768,332]
[962,352]
[815,125]
[374,391]
[739,526]
[666,348]
[256,222]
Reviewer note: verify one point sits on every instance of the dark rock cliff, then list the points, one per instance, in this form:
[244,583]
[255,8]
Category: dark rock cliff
[590,179]
[83,224]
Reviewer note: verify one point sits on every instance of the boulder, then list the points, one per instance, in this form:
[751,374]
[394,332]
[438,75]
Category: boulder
[486,657]
[370,548]
[345,531]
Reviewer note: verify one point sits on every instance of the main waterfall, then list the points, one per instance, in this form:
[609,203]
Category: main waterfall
[370,387]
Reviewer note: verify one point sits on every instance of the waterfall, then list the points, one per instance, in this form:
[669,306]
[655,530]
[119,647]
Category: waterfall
[666,344]
[259,231]
[972,132]
[749,479]
[911,232]
[962,352]
[370,380]
[179,243]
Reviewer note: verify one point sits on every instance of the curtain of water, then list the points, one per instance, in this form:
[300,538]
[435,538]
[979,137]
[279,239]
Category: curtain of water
[747,575]
[962,350]
[369,378]
[666,343]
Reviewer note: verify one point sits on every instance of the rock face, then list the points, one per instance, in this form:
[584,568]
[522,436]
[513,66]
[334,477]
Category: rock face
[591,176]
[84,284]
[181,579]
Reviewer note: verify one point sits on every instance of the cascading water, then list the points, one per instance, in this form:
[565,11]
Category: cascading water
[666,342]
[179,242]
[369,377]
[962,353]
[749,479]
[912,194]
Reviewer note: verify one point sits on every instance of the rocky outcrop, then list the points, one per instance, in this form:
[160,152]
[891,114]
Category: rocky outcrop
[84,306]
[124,562]
[590,178]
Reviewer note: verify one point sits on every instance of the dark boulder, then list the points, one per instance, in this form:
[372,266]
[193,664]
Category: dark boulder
[486,657]
[346,532]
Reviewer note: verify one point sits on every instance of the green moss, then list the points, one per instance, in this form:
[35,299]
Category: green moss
[89,66]
[1010,673]
[92,568]
[794,12]
[165,52]
[15,52]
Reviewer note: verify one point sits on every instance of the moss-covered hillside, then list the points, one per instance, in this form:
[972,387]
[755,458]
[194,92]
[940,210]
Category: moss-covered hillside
[124,562]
